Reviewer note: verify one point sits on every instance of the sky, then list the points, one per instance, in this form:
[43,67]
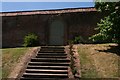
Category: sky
[27,6]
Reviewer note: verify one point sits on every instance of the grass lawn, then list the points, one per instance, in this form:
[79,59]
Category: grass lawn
[0,64]
[99,60]
[10,57]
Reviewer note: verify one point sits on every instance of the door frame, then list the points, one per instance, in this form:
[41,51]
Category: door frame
[59,18]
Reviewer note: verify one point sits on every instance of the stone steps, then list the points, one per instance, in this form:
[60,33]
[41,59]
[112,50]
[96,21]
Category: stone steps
[48,67]
[49,60]
[48,49]
[46,71]
[23,78]
[52,47]
[44,75]
[50,63]
[50,56]
[51,51]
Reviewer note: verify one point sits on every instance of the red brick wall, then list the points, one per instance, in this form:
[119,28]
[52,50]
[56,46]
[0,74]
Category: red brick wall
[14,28]
[85,25]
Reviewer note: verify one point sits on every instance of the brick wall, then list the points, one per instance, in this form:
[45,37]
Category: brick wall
[14,28]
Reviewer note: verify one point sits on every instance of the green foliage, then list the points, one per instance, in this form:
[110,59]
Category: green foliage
[109,27]
[74,71]
[103,6]
[105,31]
[77,39]
[31,40]
[70,42]
[72,62]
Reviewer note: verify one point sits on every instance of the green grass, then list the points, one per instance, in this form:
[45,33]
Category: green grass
[11,56]
[0,73]
[87,68]
[0,63]
[119,68]
[98,64]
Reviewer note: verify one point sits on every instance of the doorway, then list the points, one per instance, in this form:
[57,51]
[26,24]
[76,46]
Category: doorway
[56,33]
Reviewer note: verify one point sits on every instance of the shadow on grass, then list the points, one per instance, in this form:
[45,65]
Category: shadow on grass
[113,49]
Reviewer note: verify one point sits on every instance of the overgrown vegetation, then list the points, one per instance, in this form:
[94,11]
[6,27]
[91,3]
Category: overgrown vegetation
[31,40]
[87,68]
[99,60]
[109,27]
[72,58]
[77,40]
[10,57]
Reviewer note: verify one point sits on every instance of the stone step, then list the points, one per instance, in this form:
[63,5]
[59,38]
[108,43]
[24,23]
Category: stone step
[48,49]
[49,63]
[49,60]
[41,75]
[46,71]
[51,54]
[51,51]
[43,56]
[52,47]
[48,67]
[44,78]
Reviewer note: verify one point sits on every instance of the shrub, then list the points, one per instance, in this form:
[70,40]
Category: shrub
[30,40]
[78,39]
[100,38]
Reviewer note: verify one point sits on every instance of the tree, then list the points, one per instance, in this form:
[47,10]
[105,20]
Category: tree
[109,27]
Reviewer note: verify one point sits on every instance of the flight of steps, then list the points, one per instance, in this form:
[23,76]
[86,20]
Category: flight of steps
[51,63]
